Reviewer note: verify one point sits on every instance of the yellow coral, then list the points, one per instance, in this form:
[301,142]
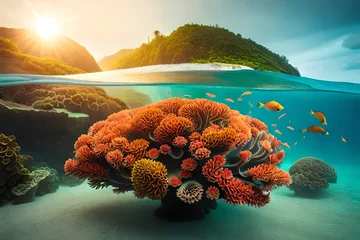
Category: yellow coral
[149,178]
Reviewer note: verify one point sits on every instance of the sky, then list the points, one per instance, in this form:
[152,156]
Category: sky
[320,37]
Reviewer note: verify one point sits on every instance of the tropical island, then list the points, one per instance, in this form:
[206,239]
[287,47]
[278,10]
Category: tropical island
[22,51]
[194,43]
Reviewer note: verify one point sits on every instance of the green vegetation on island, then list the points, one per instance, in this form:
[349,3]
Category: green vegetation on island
[205,44]
[59,47]
[13,61]
[107,63]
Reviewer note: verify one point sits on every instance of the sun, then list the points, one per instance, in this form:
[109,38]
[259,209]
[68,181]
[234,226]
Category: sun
[46,27]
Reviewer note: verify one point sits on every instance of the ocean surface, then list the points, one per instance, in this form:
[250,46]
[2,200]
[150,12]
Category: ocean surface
[81,212]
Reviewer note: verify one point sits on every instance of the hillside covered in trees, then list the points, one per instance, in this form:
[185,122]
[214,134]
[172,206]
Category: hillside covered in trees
[107,63]
[205,44]
[60,47]
[13,61]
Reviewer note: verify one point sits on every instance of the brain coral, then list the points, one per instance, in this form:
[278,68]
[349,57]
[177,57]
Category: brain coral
[310,173]
[12,171]
[79,99]
[149,178]
[199,143]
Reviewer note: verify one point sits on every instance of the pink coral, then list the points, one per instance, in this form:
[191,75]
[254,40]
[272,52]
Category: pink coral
[188,164]
[174,181]
[202,153]
[165,149]
[212,193]
[180,141]
[194,136]
[245,155]
[153,153]
[194,145]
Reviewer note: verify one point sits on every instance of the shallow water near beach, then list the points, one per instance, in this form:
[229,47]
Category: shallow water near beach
[77,211]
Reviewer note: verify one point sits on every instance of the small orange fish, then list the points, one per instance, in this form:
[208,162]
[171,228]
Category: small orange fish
[286,145]
[250,112]
[320,116]
[245,93]
[291,128]
[281,116]
[274,125]
[295,143]
[239,99]
[250,104]
[271,106]
[343,139]
[278,131]
[229,100]
[315,129]
[210,95]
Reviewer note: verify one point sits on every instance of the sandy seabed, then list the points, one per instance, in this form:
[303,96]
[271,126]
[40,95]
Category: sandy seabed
[83,213]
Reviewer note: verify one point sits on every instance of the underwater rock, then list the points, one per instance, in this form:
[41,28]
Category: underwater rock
[186,153]
[47,134]
[310,176]
[25,192]
[12,170]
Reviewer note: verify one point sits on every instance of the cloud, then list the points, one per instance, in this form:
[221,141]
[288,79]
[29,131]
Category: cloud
[352,41]
[352,66]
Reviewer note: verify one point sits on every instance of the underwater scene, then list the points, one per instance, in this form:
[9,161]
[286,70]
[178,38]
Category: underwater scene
[260,154]
[181,120]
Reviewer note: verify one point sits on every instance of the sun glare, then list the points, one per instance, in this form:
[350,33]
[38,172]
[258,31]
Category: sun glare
[46,27]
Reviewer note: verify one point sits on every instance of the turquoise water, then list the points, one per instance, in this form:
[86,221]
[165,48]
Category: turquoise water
[338,101]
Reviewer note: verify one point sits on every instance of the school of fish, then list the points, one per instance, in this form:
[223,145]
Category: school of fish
[274,106]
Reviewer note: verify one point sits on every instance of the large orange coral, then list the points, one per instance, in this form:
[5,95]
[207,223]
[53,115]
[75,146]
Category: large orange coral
[194,141]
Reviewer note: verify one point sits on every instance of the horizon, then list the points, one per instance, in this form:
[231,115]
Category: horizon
[322,42]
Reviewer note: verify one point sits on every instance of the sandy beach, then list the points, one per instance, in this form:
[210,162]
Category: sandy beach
[83,213]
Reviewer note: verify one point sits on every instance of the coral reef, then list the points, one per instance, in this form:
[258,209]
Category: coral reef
[50,184]
[309,175]
[92,101]
[186,153]
[25,192]
[12,170]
